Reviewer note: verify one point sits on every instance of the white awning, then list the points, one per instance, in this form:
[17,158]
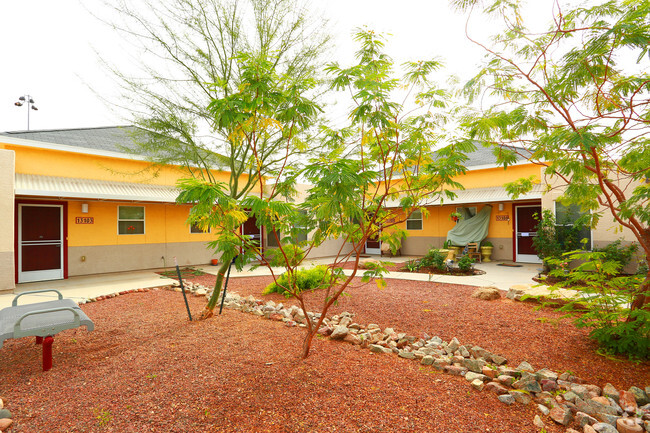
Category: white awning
[493,194]
[67,187]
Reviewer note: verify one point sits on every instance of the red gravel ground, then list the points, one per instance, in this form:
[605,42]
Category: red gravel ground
[146,368]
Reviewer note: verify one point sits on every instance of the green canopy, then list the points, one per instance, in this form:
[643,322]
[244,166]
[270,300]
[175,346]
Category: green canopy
[470,229]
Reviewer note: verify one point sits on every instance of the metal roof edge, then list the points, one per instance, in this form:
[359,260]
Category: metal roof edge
[67,148]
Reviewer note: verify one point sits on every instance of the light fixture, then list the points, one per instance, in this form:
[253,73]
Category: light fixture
[30,105]
[500,207]
[84,207]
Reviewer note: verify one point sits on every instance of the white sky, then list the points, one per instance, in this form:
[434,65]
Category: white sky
[48,51]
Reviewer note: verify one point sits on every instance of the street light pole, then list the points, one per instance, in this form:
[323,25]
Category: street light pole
[30,105]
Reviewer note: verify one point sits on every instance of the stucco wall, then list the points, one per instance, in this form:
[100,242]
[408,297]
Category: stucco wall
[607,230]
[7,220]
[116,258]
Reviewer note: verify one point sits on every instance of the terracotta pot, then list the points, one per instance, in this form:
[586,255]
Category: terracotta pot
[214,262]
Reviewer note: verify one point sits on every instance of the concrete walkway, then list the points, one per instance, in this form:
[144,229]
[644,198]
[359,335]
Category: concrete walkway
[84,287]
[496,274]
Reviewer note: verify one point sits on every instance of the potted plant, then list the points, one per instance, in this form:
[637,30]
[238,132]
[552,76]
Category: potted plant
[455,216]
[486,251]
[454,250]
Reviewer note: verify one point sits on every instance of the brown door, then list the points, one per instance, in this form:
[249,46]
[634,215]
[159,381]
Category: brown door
[250,229]
[40,243]
[525,233]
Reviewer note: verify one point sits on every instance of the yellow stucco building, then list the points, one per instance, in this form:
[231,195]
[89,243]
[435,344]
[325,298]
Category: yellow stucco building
[76,203]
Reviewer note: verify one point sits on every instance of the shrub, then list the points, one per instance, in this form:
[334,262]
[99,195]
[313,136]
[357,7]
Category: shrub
[412,265]
[553,240]
[317,277]
[605,304]
[615,253]
[294,255]
[465,263]
[434,259]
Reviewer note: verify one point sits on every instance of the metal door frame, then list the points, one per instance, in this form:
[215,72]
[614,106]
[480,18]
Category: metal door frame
[43,275]
[522,258]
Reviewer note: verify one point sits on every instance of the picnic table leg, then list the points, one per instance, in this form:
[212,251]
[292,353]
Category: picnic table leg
[47,353]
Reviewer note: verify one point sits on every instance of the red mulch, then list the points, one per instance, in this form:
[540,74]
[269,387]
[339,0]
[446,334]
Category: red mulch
[516,330]
[146,368]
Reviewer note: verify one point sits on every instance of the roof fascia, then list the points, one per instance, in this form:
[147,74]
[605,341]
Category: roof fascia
[67,148]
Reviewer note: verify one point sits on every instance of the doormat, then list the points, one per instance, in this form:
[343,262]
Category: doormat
[510,265]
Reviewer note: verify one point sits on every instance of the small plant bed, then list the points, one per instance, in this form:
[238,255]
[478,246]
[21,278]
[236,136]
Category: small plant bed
[435,262]
[450,271]
[186,273]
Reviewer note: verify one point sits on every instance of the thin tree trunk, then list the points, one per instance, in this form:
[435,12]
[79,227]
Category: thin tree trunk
[208,311]
[306,344]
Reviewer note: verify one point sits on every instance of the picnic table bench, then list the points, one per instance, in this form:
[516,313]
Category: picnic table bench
[42,320]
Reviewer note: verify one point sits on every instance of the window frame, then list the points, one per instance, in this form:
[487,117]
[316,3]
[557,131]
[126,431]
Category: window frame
[411,219]
[143,220]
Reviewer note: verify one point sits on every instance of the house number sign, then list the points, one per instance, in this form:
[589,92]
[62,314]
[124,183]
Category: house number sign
[503,217]
[85,220]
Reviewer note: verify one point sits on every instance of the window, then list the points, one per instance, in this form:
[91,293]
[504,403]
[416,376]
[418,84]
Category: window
[571,224]
[194,228]
[130,220]
[414,222]
[271,242]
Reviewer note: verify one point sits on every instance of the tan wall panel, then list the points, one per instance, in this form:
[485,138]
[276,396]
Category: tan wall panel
[7,283]
[418,246]
[607,230]
[117,258]
[7,164]
[330,248]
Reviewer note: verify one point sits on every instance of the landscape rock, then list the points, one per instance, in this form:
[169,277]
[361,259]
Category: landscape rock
[5,423]
[583,419]
[489,372]
[561,415]
[589,429]
[515,293]
[497,388]
[455,370]
[339,332]
[640,396]
[475,365]
[505,380]
[4,413]
[487,293]
[521,397]
[610,391]
[528,384]
[507,399]
[525,366]
[602,427]
[406,355]
[627,401]
[379,349]
[478,384]
[628,425]
[546,374]
[537,422]
[543,409]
